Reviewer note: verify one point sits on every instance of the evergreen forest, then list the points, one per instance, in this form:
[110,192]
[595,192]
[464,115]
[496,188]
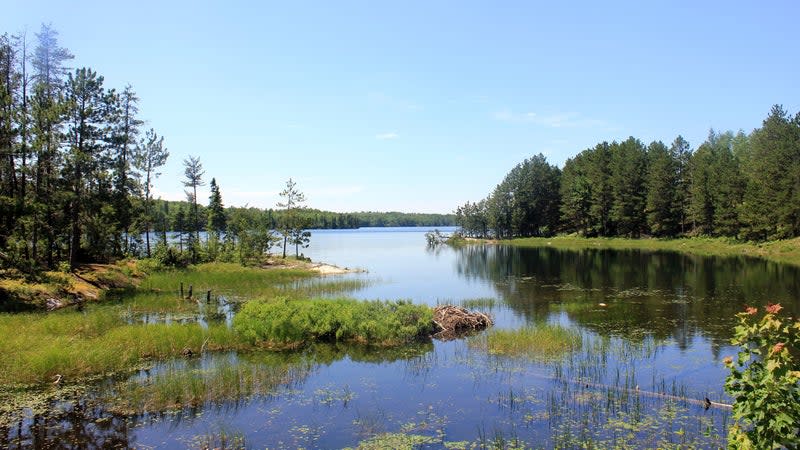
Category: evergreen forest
[736,185]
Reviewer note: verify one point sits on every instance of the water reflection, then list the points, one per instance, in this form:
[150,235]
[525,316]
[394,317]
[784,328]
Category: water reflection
[632,293]
[182,391]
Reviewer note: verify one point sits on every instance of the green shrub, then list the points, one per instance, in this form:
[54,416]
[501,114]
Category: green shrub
[291,323]
[167,256]
[765,381]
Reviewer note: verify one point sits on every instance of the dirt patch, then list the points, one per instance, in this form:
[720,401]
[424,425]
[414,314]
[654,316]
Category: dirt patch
[321,268]
[55,290]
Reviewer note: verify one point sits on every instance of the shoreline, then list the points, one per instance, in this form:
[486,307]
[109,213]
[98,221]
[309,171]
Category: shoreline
[784,251]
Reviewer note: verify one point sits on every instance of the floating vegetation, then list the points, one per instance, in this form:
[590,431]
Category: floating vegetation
[221,440]
[543,341]
[397,441]
[639,292]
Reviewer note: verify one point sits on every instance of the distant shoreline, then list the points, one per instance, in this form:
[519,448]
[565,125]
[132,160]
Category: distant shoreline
[783,251]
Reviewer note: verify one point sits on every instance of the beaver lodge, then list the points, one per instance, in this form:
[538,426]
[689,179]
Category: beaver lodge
[455,321]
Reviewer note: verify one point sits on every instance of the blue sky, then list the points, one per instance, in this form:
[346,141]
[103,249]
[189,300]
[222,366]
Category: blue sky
[421,106]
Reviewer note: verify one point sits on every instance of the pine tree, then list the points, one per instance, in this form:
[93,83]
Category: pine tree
[216,211]
[149,155]
[628,168]
[662,204]
[292,203]
[193,171]
[83,162]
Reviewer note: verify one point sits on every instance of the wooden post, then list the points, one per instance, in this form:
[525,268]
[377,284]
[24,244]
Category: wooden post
[181,289]
[208,296]
[190,292]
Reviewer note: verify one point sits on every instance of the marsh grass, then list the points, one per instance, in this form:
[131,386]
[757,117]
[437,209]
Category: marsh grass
[478,303]
[322,287]
[176,386]
[99,340]
[39,346]
[541,342]
[287,323]
[225,278]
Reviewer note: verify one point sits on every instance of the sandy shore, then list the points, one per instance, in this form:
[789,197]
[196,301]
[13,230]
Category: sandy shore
[330,269]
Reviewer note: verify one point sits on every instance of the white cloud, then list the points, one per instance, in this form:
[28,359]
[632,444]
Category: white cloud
[387,136]
[557,120]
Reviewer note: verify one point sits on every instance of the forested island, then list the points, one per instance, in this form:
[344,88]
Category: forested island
[739,185]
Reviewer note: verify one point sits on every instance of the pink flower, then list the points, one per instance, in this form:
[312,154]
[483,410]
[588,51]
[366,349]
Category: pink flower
[773,309]
[777,347]
[751,311]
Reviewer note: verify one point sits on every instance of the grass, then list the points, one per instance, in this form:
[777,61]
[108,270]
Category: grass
[225,278]
[785,251]
[539,342]
[478,303]
[78,344]
[175,386]
[292,323]
[39,346]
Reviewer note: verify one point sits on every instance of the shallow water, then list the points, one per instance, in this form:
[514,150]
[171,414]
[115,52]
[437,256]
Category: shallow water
[648,358]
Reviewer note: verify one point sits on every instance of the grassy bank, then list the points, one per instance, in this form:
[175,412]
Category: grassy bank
[111,336]
[53,290]
[787,251]
[102,339]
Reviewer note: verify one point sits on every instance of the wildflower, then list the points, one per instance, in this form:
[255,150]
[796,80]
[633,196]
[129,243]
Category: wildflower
[751,311]
[727,360]
[777,347]
[773,309]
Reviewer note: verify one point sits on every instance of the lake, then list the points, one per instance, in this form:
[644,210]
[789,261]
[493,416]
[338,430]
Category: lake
[653,327]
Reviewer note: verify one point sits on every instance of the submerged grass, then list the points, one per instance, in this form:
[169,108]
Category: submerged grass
[176,386]
[478,303]
[37,346]
[544,341]
[291,323]
[785,251]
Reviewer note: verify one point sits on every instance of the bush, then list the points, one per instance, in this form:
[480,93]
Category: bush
[167,256]
[765,381]
[291,323]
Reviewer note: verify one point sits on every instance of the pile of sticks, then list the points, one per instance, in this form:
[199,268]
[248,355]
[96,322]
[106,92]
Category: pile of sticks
[454,321]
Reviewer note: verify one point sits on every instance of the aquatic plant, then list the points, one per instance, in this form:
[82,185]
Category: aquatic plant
[292,323]
[543,341]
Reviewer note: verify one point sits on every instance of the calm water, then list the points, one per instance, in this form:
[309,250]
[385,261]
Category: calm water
[665,330]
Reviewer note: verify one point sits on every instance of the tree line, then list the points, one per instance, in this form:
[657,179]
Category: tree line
[169,215]
[738,185]
[76,168]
